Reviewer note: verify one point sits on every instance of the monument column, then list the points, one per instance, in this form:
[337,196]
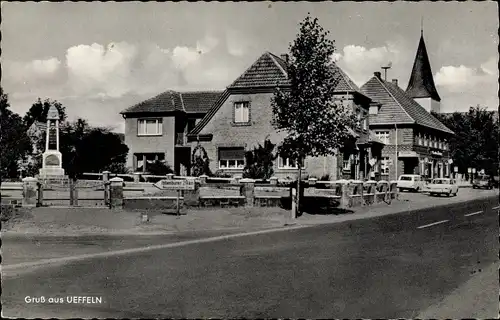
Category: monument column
[47,133]
[52,158]
[57,135]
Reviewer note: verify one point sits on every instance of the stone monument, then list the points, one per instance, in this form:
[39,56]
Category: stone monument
[52,158]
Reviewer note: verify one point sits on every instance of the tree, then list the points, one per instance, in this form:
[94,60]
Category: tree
[200,163]
[309,111]
[475,143]
[39,109]
[259,161]
[14,141]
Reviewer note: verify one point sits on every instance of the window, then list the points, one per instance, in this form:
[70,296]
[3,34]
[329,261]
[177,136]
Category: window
[365,123]
[426,141]
[445,146]
[286,163]
[420,142]
[146,159]
[346,166]
[149,127]
[384,168]
[383,135]
[231,158]
[241,112]
[373,109]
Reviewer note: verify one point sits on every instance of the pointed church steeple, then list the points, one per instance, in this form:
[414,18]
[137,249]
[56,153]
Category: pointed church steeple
[421,84]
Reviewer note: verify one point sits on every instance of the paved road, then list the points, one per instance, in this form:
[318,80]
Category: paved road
[387,267]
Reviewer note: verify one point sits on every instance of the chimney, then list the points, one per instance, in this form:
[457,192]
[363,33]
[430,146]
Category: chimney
[395,82]
[284,56]
[377,74]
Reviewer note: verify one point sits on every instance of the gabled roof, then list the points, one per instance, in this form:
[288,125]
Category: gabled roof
[268,71]
[421,84]
[345,83]
[190,102]
[398,107]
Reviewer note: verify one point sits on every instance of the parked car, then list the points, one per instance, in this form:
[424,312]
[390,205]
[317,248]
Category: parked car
[411,182]
[483,182]
[441,186]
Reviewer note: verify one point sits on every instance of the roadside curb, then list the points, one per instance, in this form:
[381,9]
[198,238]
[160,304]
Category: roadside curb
[297,223]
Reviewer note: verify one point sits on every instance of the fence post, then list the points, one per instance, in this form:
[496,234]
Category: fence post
[192,197]
[248,191]
[203,179]
[116,192]
[30,191]
[39,186]
[105,181]
[137,176]
[344,194]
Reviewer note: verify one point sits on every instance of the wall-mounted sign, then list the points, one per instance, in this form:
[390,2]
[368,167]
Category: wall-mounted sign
[450,161]
[372,162]
[469,170]
[473,170]
[455,169]
[426,160]
[437,153]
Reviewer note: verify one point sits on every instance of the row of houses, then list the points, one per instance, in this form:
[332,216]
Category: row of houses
[397,134]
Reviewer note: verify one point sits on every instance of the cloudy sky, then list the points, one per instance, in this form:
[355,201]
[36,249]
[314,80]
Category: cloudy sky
[100,58]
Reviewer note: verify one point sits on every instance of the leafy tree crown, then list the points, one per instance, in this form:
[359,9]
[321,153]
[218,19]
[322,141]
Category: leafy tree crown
[316,121]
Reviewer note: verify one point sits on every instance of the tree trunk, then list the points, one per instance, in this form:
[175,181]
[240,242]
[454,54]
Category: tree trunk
[299,179]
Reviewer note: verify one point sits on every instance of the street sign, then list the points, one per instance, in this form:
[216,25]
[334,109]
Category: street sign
[372,162]
[473,170]
[175,184]
[455,169]
[450,161]
[169,184]
[469,170]
[426,160]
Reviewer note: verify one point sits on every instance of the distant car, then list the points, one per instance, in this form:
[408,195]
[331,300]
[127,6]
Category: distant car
[411,182]
[441,186]
[483,182]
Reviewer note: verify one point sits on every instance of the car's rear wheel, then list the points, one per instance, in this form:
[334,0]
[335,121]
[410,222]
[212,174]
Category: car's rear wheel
[417,189]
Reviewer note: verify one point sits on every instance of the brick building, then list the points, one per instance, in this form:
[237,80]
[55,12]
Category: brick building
[241,119]
[415,141]
[156,129]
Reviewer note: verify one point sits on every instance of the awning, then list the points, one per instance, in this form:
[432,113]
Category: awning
[231,153]
[407,154]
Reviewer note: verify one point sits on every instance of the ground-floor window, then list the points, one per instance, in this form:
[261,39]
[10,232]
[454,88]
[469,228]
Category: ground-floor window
[148,158]
[232,158]
[384,168]
[287,163]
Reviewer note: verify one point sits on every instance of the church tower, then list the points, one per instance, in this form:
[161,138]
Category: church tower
[421,85]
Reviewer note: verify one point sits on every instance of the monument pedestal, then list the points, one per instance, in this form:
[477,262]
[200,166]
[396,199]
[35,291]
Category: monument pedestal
[52,166]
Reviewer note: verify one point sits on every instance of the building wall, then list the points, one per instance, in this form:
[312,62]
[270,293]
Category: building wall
[429,104]
[227,134]
[150,144]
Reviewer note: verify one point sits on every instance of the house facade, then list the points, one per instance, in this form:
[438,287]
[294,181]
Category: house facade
[155,129]
[241,119]
[415,141]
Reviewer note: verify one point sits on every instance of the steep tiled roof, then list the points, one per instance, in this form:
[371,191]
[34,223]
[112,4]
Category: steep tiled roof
[421,84]
[196,101]
[398,107]
[267,71]
[199,101]
[345,83]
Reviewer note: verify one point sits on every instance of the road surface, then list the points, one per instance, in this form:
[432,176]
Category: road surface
[388,267]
